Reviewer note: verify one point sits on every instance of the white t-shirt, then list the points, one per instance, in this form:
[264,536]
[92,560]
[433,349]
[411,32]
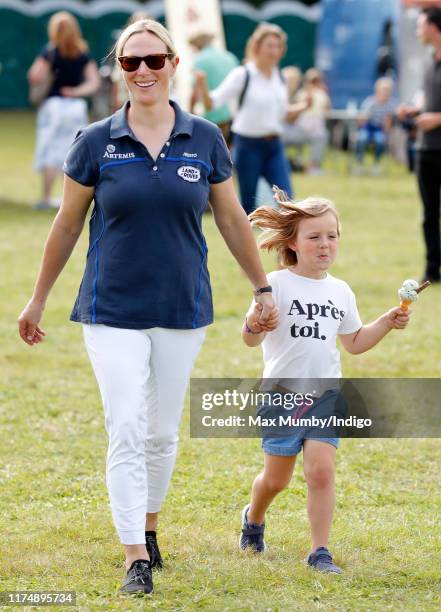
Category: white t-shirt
[265,103]
[312,313]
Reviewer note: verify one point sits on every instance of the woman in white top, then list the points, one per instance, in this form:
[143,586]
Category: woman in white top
[261,97]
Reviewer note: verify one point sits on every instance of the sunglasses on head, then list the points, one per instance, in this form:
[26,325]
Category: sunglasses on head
[155,61]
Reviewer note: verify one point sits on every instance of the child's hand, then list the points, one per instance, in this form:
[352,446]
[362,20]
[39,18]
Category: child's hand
[396,318]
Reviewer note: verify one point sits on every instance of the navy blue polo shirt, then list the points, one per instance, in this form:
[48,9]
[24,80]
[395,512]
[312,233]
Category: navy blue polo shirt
[146,265]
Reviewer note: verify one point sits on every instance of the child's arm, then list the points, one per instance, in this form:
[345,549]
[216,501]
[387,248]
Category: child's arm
[370,335]
[253,332]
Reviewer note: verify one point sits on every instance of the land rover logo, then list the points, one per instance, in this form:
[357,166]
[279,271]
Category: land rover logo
[189,173]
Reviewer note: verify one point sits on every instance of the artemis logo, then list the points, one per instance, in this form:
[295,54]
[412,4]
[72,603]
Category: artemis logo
[110,153]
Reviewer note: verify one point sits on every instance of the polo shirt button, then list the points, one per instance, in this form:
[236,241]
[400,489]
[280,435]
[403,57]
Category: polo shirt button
[168,143]
[162,155]
[155,168]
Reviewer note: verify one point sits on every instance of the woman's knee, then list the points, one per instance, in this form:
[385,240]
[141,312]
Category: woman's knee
[162,446]
[126,434]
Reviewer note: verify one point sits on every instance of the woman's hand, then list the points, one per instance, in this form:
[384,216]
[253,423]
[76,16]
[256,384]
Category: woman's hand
[68,92]
[62,238]
[91,83]
[28,321]
[428,121]
[201,92]
[255,322]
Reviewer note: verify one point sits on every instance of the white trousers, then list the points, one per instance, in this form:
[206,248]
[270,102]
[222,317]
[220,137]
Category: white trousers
[142,376]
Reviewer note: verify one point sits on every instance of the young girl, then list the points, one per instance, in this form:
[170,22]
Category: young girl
[314,308]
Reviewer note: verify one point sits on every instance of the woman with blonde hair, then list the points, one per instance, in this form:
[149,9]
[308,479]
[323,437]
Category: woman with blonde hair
[261,96]
[71,75]
[145,298]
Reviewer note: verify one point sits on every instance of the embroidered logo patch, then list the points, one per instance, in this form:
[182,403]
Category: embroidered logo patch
[189,173]
[110,148]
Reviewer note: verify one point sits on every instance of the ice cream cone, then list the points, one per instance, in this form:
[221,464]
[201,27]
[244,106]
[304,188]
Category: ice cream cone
[404,304]
[409,292]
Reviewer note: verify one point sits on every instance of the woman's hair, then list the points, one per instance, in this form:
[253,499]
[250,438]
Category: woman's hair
[65,34]
[280,225]
[144,25]
[262,31]
[137,16]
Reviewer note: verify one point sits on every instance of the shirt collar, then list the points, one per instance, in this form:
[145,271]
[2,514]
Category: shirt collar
[119,125]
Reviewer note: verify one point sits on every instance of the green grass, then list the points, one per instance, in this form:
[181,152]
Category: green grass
[55,525]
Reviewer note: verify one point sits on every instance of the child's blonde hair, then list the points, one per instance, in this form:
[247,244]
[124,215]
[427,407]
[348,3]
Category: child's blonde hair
[280,225]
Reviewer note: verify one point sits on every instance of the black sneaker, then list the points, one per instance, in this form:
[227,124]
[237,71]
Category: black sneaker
[151,544]
[139,578]
[252,535]
[321,560]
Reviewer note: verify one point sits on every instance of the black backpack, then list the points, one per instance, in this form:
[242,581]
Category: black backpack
[246,84]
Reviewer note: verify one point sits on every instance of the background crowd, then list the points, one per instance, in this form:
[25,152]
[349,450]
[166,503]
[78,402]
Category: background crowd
[273,113]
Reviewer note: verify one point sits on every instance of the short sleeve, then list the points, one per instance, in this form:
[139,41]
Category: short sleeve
[79,164]
[230,88]
[220,160]
[351,321]
[85,59]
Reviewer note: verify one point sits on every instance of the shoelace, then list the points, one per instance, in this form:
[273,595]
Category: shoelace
[139,571]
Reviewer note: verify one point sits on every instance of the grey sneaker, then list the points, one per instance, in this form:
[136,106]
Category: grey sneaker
[138,579]
[321,560]
[252,534]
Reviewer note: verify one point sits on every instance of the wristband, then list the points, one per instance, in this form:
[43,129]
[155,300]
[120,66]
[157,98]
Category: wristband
[267,289]
[249,330]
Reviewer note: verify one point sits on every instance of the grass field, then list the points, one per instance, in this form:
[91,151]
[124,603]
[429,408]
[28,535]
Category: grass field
[55,524]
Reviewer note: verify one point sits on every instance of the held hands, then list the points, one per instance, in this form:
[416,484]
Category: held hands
[396,318]
[28,321]
[269,313]
[255,322]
